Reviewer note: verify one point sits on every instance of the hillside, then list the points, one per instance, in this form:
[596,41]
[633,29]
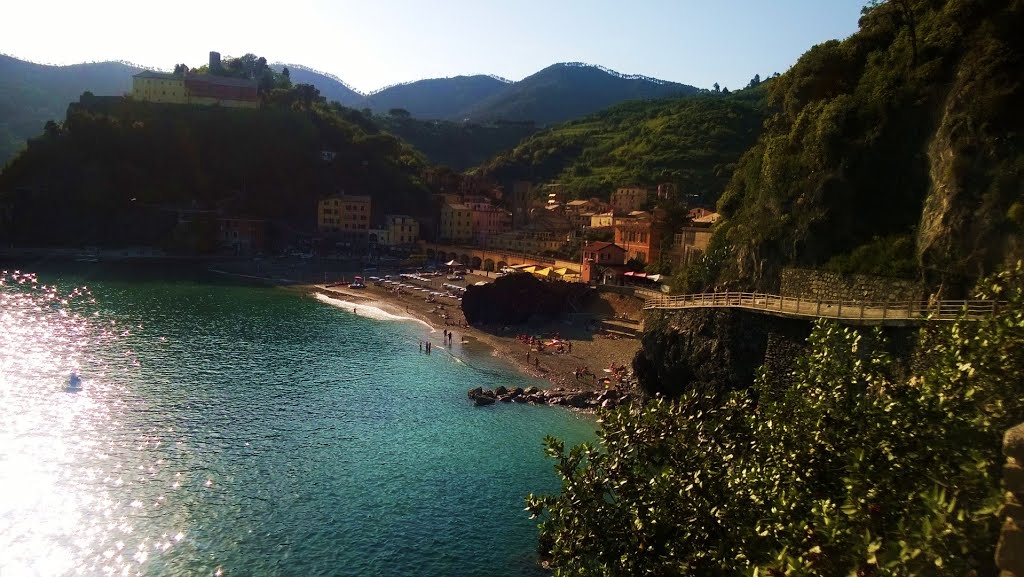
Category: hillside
[458,145]
[895,151]
[31,94]
[436,98]
[331,87]
[693,142]
[111,171]
[566,91]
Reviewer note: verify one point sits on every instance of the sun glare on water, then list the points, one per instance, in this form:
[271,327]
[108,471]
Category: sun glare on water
[64,471]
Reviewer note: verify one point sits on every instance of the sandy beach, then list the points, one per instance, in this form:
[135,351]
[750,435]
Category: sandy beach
[590,359]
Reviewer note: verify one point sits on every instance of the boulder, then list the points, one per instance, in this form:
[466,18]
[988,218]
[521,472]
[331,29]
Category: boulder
[484,400]
[501,391]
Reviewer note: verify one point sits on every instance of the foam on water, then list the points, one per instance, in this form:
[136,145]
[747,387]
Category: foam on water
[369,311]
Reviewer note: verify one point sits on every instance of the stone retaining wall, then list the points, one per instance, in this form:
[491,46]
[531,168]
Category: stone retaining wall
[1010,550]
[823,285]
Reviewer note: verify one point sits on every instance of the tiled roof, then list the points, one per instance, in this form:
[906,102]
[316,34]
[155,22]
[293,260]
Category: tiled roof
[160,75]
[598,246]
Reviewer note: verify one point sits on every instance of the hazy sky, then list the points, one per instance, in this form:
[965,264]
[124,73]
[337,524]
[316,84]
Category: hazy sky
[371,44]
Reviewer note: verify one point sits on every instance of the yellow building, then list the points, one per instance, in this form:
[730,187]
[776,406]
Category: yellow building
[456,223]
[201,89]
[345,215]
[602,220]
[401,229]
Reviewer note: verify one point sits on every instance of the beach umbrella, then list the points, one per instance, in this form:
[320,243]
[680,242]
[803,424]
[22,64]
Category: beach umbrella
[528,268]
[561,271]
[655,277]
[520,266]
[452,262]
[543,272]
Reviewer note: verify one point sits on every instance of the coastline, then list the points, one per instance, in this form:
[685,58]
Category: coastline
[590,351]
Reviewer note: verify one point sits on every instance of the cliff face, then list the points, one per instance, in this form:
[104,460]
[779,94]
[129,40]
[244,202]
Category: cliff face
[713,350]
[972,216]
[907,134]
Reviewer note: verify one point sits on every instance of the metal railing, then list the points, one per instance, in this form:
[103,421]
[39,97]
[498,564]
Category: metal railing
[946,310]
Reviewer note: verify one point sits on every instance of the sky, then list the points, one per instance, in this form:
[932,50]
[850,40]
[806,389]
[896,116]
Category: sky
[375,43]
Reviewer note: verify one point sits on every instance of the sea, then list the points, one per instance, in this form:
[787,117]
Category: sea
[220,428]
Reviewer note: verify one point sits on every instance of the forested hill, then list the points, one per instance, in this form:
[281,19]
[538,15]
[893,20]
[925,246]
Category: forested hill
[436,98]
[693,142]
[895,151]
[31,94]
[115,165]
[566,91]
[331,87]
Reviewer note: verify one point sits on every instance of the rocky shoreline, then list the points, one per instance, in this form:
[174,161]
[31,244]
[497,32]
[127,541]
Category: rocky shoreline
[585,399]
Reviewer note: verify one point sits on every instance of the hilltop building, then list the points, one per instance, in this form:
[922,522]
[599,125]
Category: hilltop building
[201,89]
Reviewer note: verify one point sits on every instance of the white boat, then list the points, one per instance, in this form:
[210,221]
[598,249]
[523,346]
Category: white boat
[74,383]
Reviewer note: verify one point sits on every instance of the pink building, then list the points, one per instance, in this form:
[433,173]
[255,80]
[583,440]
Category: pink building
[488,221]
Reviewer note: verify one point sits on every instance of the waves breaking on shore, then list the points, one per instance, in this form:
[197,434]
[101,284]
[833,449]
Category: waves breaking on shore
[369,311]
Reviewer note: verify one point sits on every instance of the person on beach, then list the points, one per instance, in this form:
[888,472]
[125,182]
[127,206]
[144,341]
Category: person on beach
[527,355]
[421,346]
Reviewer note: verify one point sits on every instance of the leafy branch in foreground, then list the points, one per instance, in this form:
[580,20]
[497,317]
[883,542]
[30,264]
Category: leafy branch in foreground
[851,468]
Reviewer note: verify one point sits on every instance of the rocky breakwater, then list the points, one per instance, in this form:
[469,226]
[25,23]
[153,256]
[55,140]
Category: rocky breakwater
[574,398]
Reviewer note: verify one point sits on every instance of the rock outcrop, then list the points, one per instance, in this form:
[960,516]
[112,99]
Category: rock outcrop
[517,298]
[573,398]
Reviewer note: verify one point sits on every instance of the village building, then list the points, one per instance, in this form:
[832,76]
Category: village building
[602,262]
[456,223]
[488,221]
[629,198]
[344,216]
[639,238]
[242,235]
[401,230]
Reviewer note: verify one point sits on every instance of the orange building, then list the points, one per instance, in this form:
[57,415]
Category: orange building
[639,238]
[599,258]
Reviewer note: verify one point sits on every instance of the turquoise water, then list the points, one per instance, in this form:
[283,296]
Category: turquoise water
[237,430]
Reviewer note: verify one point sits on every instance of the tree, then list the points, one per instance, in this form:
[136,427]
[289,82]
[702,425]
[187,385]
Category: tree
[716,87]
[754,81]
[180,70]
[285,73]
[846,467]
[399,113]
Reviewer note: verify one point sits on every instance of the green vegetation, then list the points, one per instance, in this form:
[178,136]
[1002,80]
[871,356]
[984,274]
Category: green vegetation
[459,145]
[849,467]
[32,94]
[910,128]
[693,142]
[113,169]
